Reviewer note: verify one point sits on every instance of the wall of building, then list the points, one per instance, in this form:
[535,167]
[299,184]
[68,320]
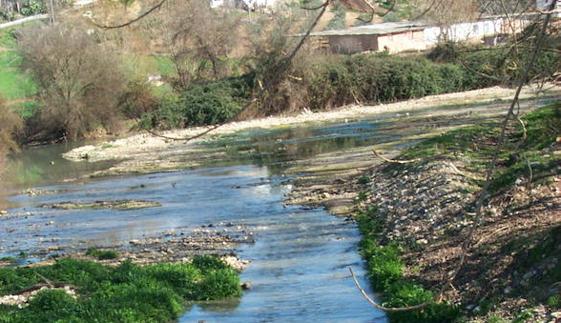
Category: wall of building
[351,44]
[404,41]
[464,31]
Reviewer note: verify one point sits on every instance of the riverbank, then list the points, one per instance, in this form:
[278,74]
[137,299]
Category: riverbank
[146,153]
[420,212]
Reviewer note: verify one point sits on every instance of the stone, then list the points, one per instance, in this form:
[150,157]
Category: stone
[246,285]
[422,241]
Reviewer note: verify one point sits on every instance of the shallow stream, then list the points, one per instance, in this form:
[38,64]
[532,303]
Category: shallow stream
[299,262]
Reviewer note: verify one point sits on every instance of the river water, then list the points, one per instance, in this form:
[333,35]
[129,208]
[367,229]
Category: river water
[299,262]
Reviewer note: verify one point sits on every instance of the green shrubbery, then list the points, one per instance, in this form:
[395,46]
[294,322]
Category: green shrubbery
[127,293]
[375,78]
[485,67]
[385,270]
[201,104]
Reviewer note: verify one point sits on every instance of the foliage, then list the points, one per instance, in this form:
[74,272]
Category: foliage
[127,293]
[137,100]
[102,254]
[385,270]
[497,65]
[201,104]
[371,78]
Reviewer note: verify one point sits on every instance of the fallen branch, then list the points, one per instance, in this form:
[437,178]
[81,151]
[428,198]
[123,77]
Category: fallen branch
[395,161]
[380,307]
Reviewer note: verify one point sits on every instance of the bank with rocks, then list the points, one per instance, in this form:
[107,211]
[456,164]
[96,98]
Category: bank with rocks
[416,210]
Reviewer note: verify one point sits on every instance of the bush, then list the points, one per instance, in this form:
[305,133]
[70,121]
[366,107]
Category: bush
[137,100]
[102,254]
[201,104]
[374,78]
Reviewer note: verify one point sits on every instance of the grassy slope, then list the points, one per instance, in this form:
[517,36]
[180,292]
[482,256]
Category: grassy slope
[15,86]
[126,293]
[384,264]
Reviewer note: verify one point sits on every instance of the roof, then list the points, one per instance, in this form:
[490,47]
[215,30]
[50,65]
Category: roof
[374,29]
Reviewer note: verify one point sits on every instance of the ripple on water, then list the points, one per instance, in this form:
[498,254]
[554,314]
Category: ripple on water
[299,262]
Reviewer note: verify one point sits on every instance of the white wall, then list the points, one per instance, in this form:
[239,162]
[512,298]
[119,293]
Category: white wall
[464,31]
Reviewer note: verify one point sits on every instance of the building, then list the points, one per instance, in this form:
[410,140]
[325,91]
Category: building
[393,37]
[414,36]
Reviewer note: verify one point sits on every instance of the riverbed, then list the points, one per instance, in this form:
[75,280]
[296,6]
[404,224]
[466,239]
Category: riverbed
[300,255]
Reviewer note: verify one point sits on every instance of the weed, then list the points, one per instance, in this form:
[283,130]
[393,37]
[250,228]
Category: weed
[102,254]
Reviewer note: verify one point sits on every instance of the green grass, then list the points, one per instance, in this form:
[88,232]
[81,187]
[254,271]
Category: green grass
[127,293]
[385,271]
[470,144]
[14,83]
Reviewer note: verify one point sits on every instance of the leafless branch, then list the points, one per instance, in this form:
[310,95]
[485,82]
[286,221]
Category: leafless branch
[380,307]
[130,22]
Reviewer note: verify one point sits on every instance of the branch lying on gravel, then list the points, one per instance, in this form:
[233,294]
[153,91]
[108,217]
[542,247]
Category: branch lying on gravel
[380,307]
[395,161]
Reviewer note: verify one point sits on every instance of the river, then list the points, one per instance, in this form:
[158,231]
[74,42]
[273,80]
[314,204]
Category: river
[300,258]
[299,262]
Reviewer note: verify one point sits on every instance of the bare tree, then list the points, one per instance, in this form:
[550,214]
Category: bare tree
[78,82]
[199,39]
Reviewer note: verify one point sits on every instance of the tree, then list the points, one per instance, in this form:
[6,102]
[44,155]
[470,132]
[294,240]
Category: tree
[78,82]
[199,39]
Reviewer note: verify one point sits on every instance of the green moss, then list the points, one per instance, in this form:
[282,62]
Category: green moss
[126,293]
[385,270]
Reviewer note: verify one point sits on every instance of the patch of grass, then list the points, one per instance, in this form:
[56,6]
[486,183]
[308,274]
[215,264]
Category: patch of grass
[102,254]
[14,83]
[471,145]
[554,301]
[126,293]
[363,180]
[385,270]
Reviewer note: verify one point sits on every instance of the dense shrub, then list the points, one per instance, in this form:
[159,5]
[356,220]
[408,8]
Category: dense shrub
[201,104]
[374,78]
[11,126]
[485,67]
[137,100]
